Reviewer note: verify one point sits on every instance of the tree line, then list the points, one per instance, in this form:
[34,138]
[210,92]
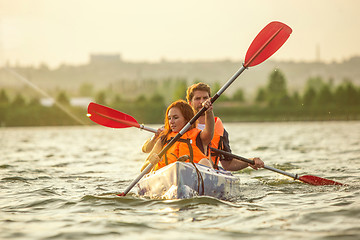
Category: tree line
[318,93]
[320,100]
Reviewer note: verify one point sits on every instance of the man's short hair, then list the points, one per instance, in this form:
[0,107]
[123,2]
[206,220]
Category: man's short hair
[197,87]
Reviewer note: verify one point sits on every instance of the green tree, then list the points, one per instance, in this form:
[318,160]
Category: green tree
[180,89]
[340,95]
[62,98]
[239,96]
[347,95]
[296,99]
[141,99]
[117,100]
[285,101]
[4,99]
[157,98]
[315,83]
[277,83]
[325,96]
[276,88]
[309,97]
[35,102]
[215,88]
[101,98]
[19,101]
[260,95]
[86,89]
[331,83]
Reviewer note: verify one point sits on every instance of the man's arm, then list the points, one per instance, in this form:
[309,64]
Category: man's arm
[232,164]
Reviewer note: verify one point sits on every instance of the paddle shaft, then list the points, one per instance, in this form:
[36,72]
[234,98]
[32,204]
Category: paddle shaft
[227,84]
[294,176]
[148,128]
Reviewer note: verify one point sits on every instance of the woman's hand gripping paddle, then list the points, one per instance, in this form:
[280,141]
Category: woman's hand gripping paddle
[265,44]
[310,179]
[109,117]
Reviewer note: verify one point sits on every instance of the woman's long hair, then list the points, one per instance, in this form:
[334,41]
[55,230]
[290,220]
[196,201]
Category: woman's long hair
[186,110]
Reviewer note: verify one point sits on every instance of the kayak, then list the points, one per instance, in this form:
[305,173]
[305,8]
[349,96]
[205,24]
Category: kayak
[181,180]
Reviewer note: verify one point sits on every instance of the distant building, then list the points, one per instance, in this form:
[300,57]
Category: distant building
[80,101]
[47,102]
[105,58]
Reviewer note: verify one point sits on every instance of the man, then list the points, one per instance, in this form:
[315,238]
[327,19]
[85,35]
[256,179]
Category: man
[196,95]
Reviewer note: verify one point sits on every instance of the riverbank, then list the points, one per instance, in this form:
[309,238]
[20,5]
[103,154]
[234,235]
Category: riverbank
[154,114]
[276,114]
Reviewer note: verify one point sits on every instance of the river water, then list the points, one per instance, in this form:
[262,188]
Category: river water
[60,183]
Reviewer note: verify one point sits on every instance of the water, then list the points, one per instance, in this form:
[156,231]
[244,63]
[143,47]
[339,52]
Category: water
[60,183]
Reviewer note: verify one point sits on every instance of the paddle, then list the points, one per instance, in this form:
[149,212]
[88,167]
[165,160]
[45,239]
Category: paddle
[109,117]
[265,44]
[310,179]
[112,118]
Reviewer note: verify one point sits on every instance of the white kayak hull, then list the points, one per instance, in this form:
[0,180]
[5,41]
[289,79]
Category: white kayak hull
[181,180]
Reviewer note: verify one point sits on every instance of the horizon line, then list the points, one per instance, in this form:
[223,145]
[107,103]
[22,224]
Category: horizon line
[8,64]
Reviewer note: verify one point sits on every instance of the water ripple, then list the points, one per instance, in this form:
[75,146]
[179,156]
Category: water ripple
[66,188]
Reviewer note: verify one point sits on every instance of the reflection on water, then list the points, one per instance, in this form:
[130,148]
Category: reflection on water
[67,177]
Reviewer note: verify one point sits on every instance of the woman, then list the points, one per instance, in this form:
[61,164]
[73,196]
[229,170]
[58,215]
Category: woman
[193,143]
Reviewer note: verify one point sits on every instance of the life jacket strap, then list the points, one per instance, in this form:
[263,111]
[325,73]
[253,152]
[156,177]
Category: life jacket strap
[200,179]
[188,143]
[191,160]
[218,156]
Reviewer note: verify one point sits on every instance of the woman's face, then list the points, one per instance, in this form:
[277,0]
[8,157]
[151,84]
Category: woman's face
[176,119]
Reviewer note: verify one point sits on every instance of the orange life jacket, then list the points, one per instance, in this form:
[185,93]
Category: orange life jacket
[217,141]
[186,145]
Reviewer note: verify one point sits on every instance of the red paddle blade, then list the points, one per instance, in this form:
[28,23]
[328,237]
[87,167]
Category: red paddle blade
[314,180]
[266,43]
[109,117]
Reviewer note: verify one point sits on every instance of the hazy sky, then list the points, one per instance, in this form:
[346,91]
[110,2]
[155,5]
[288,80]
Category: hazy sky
[67,31]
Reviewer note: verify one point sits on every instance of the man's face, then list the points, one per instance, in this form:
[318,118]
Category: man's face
[198,98]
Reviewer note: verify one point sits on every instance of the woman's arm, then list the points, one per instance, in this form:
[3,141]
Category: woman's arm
[153,155]
[150,143]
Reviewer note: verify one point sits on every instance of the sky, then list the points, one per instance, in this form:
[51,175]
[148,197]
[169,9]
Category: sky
[56,32]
